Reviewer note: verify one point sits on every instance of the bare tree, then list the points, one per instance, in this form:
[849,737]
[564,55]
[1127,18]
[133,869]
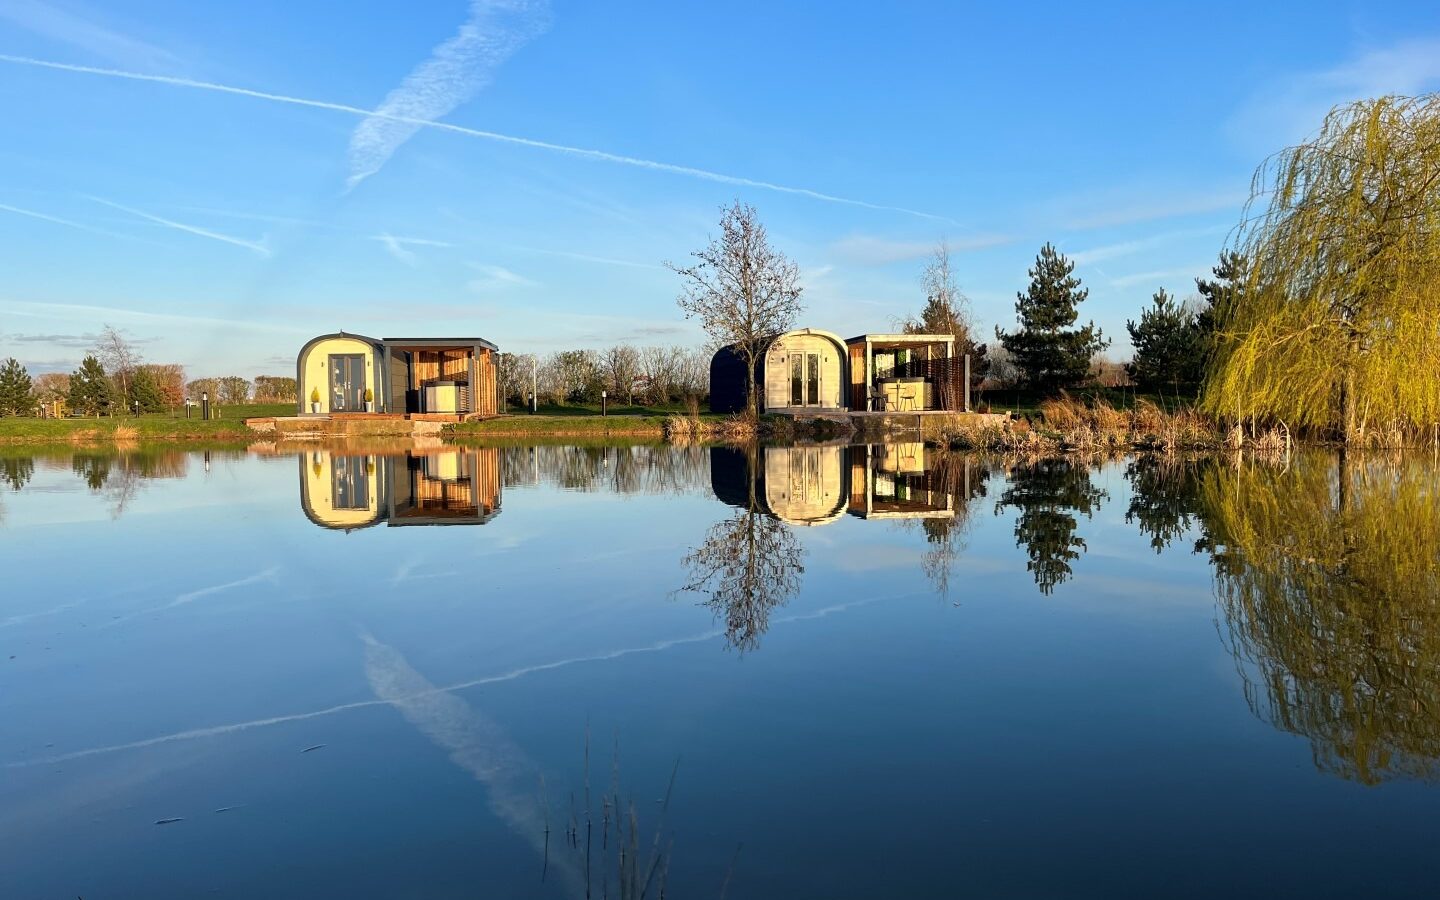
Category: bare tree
[742,290]
[119,357]
[621,364]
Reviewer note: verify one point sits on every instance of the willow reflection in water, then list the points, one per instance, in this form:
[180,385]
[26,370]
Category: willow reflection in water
[1328,576]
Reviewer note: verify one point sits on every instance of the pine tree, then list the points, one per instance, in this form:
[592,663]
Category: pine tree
[16,391]
[1050,355]
[90,391]
[1169,347]
[145,395]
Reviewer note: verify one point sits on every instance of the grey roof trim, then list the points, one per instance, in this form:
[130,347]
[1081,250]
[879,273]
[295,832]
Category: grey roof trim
[439,342]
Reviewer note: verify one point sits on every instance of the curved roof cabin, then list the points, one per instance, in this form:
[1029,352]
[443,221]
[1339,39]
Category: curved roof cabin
[797,371]
[352,373]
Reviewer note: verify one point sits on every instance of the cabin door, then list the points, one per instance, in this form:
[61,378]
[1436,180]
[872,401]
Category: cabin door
[350,482]
[804,379]
[347,383]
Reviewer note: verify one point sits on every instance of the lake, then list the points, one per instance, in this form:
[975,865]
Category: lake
[831,671]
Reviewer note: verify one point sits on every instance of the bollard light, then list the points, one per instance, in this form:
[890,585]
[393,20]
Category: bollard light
[603,404]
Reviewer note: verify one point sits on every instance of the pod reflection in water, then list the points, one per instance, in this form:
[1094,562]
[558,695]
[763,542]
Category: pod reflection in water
[445,486]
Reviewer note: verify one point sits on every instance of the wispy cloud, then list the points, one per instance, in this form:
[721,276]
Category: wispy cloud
[399,246]
[45,217]
[1156,278]
[494,277]
[1292,107]
[258,247]
[588,257]
[867,250]
[579,152]
[455,72]
[1128,248]
[78,27]
[82,341]
[84,312]
[1112,212]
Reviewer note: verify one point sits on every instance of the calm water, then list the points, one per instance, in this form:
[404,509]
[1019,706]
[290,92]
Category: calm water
[812,672]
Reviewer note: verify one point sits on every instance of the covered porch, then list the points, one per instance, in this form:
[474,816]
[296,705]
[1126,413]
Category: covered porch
[440,377]
[903,373]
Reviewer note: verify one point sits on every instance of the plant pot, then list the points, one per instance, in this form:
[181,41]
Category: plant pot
[369,406]
[315,408]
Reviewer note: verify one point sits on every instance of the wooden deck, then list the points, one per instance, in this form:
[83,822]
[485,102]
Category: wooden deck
[356,424]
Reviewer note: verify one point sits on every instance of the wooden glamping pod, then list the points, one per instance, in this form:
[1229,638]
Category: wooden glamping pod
[806,485]
[798,371]
[444,486]
[797,485]
[351,373]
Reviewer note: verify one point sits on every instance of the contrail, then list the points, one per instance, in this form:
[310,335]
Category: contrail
[189,229]
[451,75]
[44,217]
[512,675]
[475,743]
[600,155]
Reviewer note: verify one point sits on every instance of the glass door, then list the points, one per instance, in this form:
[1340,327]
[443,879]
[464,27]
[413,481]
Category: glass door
[804,379]
[347,383]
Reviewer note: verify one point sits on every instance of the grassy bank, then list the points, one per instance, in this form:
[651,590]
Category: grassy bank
[569,425]
[122,430]
[1068,424]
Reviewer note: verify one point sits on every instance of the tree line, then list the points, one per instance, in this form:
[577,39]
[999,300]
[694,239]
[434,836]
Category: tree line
[651,376]
[114,379]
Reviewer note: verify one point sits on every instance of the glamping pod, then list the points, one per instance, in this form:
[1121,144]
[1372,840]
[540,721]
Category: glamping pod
[351,373]
[797,485]
[806,485]
[442,487]
[342,492]
[797,371]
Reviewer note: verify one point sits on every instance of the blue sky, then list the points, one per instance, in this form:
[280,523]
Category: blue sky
[203,175]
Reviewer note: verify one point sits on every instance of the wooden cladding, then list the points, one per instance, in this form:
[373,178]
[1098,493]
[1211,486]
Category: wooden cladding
[429,366]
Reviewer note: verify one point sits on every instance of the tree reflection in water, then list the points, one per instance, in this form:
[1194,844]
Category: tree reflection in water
[749,562]
[1048,494]
[1328,576]
[964,478]
[1162,497]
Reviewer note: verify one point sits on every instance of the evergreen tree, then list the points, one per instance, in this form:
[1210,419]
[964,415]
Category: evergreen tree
[1050,355]
[90,391]
[16,391]
[1169,347]
[145,395]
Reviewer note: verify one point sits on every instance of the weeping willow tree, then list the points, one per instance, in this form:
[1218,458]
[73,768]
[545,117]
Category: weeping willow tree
[1336,327]
[1327,576]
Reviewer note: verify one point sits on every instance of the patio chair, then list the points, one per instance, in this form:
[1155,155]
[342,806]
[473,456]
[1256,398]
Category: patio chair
[879,400]
[907,395]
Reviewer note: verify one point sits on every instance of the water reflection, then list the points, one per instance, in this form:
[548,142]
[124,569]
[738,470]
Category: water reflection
[443,486]
[1327,574]
[1162,497]
[640,469]
[1049,495]
[751,561]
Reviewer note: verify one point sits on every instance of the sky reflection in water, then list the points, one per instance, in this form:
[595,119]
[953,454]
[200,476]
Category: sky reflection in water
[880,670]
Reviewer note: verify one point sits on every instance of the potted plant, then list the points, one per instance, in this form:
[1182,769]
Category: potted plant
[369,400]
[315,400]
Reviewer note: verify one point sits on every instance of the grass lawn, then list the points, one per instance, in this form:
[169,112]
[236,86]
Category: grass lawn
[226,425]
